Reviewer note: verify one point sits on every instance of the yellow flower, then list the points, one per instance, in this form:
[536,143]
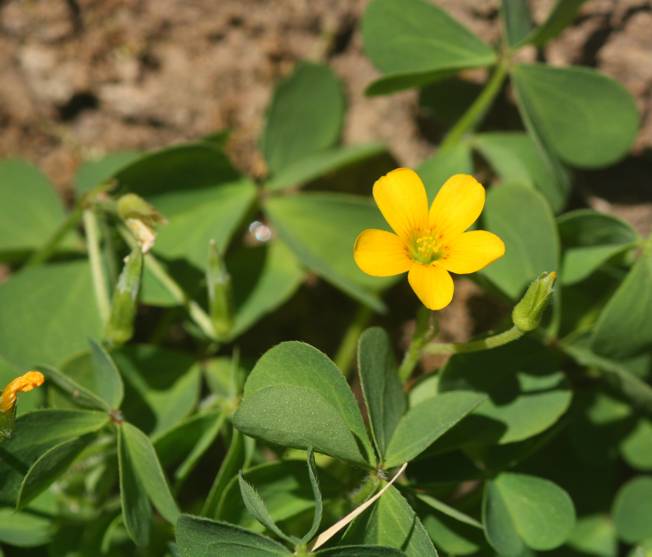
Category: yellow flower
[427,244]
[22,384]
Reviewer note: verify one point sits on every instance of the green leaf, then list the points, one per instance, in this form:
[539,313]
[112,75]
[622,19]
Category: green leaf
[561,15]
[34,434]
[201,537]
[589,240]
[414,43]
[304,117]
[435,170]
[624,327]
[527,391]
[94,172]
[322,163]
[392,522]
[24,529]
[49,466]
[316,492]
[449,511]
[48,314]
[136,509]
[636,448]
[594,535]
[77,393]
[256,507]
[147,468]
[519,509]
[321,228]
[523,219]
[361,551]
[266,277]
[517,159]
[632,510]
[295,396]
[108,381]
[233,461]
[426,422]
[517,20]
[585,117]
[381,387]
[30,209]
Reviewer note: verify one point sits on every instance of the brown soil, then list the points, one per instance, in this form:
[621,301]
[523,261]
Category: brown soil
[79,78]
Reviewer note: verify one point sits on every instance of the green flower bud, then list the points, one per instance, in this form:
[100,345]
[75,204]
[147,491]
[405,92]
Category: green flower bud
[141,218]
[218,282]
[527,313]
[120,327]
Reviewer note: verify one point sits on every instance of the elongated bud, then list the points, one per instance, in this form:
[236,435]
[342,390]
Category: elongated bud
[141,218]
[527,313]
[120,327]
[22,384]
[218,282]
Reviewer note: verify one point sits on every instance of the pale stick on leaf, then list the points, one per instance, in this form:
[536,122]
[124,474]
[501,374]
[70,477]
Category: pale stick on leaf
[355,513]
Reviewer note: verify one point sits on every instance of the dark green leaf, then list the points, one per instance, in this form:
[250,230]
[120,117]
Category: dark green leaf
[361,551]
[589,240]
[392,522]
[33,435]
[295,396]
[517,159]
[48,314]
[561,15]
[435,170]
[147,468]
[632,510]
[413,42]
[517,20]
[323,163]
[304,117]
[233,461]
[319,505]
[136,510]
[585,117]
[49,466]
[381,387]
[321,228]
[523,219]
[625,324]
[200,537]
[94,172]
[527,391]
[108,381]
[525,509]
[426,422]
[77,393]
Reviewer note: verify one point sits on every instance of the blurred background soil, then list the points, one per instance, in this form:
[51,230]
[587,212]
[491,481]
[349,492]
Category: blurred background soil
[79,78]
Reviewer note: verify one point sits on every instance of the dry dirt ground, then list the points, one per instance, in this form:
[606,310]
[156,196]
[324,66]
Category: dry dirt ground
[79,78]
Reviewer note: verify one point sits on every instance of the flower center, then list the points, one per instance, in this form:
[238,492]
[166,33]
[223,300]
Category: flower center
[426,248]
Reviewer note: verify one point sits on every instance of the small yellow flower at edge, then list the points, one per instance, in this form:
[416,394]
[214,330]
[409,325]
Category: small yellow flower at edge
[427,244]
[22,384]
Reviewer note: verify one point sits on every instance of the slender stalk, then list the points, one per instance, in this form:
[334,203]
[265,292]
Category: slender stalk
[476,112]
[346,352]
[487,343]
[95,259]
[425,331]
[197,314]
[47,250]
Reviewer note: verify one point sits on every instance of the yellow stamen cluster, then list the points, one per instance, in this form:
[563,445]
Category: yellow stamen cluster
[426,248]
[22,384]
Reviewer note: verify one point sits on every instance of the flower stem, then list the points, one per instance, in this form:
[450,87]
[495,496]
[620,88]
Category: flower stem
[95,260]
[424,332]
[197,314]
[47,250]
[476,112]
[487,343]
[346,352]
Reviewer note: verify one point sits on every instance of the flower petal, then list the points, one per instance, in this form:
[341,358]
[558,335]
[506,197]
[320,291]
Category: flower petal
[457,206]
[380,253]
[432,284]
[473,251]
[401,198]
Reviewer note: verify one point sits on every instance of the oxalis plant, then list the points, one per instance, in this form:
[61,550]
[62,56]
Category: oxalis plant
[138,316]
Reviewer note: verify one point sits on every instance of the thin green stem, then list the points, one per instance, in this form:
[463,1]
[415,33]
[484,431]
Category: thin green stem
[346,352]
[95,260]
[197,314]
[476,112]
[487,343]
[425,331]
[47,250]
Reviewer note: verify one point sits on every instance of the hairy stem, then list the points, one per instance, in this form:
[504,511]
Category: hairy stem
[425,331]
[487,343]
[95,259]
